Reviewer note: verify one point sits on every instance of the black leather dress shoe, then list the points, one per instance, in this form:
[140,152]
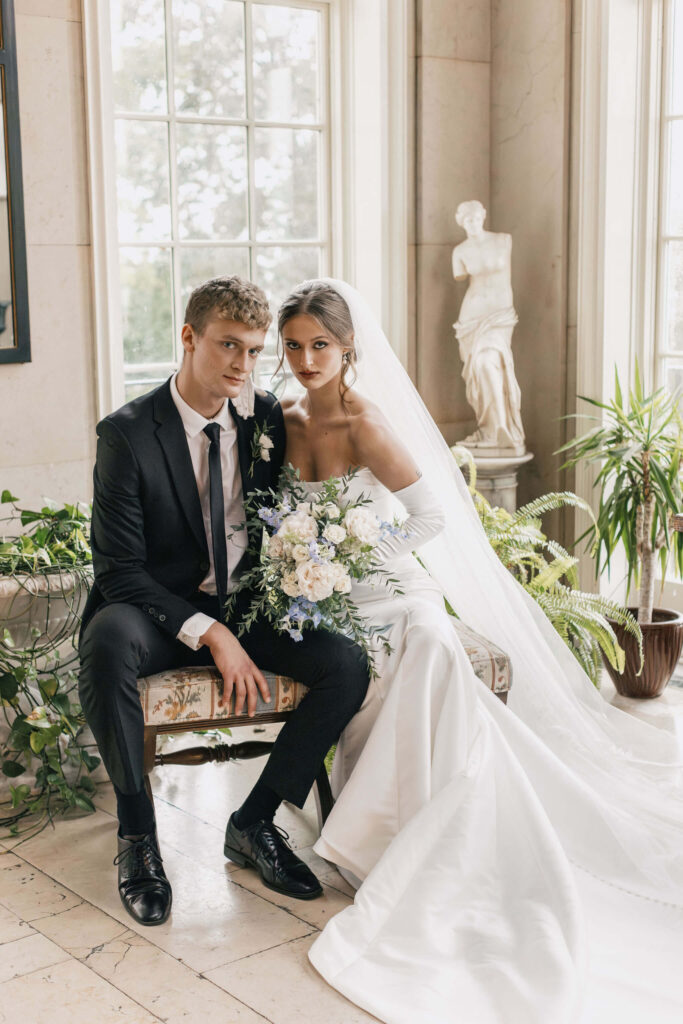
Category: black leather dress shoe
[263,846]
[144,889]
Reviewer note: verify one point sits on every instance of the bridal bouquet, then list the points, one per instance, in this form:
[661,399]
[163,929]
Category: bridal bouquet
[306,549]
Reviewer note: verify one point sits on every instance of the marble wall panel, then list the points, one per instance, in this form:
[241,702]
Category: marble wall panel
[47,416]
[453,101]
[439,369]
[67,10]
[529,190]
[52,114]
[454,28]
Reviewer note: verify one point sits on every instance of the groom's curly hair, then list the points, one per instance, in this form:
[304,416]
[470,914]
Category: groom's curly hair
[229,298]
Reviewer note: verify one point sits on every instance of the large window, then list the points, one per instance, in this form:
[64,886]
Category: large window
[220,112]
[669,347]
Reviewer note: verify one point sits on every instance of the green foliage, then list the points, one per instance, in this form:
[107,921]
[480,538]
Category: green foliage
[639,448]
[51,537]
[38,682]
[548,573]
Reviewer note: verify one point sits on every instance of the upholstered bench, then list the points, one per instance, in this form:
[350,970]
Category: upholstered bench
[186,699]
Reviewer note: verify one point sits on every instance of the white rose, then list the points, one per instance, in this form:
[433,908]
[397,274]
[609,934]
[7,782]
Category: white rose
[276,547]
[317,509]
[299,552]
[334,533]
[290,585]
[363,525]
[298,528]
[315,579]
[331,511]
[304,507]
[265,442]
[342,582]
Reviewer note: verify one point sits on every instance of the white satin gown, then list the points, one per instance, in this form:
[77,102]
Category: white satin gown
[469,911]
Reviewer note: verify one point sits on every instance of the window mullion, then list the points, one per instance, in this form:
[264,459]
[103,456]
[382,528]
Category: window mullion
[177,317]
[251,161]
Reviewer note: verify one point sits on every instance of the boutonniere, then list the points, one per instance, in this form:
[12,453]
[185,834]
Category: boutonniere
[261,446]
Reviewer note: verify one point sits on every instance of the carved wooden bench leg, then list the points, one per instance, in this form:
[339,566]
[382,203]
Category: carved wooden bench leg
[323,796]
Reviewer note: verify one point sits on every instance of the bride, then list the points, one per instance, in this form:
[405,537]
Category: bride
[519,865]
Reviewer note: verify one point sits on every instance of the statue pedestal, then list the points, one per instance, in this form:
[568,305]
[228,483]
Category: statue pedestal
[497,478]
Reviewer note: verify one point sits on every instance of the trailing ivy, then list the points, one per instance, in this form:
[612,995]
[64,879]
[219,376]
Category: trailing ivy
[49,560]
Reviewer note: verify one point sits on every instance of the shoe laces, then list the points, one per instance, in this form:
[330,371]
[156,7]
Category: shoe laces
[143,854]
[272,835]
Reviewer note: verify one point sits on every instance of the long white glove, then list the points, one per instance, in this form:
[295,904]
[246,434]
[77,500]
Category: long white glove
[426,519]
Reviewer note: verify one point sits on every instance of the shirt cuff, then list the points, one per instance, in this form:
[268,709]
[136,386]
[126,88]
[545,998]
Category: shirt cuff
[193,628]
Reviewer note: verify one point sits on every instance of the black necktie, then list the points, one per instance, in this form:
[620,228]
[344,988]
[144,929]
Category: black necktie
[220,549]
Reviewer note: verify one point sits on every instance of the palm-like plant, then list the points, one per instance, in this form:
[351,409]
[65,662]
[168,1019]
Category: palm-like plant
[640,448]
[548,573]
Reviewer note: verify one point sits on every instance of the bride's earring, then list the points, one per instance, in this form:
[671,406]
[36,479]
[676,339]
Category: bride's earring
[244,403]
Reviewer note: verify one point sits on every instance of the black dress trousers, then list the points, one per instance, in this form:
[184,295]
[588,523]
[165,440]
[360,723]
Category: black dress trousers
[121,643]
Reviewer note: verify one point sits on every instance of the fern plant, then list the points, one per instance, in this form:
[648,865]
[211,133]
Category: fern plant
[548,573]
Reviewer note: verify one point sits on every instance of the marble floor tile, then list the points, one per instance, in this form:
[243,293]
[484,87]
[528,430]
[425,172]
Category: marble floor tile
[68,993]
[295,992]
[32,953]
[29,892]
[82,930]
[315,912]
[163,985]
[212,922]
[12,927]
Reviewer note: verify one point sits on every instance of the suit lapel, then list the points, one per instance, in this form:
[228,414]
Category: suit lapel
[245,430]
[171,435]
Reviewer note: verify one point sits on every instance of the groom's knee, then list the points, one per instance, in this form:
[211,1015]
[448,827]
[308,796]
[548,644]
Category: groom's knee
[111,648]
[352,673]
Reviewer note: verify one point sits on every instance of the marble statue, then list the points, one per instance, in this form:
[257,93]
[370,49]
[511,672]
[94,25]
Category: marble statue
[484,332]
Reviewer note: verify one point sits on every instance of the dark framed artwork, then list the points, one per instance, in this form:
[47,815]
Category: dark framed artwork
[15,338]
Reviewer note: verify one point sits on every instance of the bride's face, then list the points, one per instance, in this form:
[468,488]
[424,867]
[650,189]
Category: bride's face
[315,357]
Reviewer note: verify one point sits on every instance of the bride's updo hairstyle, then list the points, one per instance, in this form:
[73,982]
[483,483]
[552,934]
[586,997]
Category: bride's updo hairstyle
[324,304]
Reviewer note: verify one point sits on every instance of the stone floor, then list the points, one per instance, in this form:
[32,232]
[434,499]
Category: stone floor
[232,951]
[70,953]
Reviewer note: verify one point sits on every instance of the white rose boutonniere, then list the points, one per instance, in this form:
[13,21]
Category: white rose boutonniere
[261,447]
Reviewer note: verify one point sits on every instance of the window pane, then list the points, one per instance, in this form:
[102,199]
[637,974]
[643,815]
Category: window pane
[138,47]
[674,378]
[674,219]
[212,181]
[677,55]
[142,181]
[286,63]
[278,269]
[286,180]
[673,333]
[209,57]
[199,264]
[139,383]
[146,305]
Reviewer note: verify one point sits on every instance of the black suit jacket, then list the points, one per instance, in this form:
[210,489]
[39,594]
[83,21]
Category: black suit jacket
[148,539]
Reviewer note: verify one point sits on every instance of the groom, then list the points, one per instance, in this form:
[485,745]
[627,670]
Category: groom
[173,470]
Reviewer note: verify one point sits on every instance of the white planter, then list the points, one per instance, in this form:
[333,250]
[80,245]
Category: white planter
[52,603]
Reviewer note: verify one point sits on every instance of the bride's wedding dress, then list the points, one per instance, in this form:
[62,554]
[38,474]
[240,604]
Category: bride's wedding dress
[519,865]
[470,911]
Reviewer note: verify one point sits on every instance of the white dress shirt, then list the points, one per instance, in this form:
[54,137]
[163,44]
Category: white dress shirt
[233,500]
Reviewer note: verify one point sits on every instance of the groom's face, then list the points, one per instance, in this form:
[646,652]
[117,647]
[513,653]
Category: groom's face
[220,359]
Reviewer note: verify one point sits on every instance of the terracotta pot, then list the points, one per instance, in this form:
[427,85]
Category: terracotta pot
[662,643]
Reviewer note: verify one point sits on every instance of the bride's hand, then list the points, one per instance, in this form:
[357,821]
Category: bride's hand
[237,668]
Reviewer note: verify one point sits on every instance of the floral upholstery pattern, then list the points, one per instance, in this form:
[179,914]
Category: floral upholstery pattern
[184,694]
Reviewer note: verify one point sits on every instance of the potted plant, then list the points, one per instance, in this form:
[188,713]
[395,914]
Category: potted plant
[586,622]
[639,448]
[45,574]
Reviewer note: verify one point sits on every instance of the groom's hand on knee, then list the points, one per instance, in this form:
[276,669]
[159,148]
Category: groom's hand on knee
[238,670]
